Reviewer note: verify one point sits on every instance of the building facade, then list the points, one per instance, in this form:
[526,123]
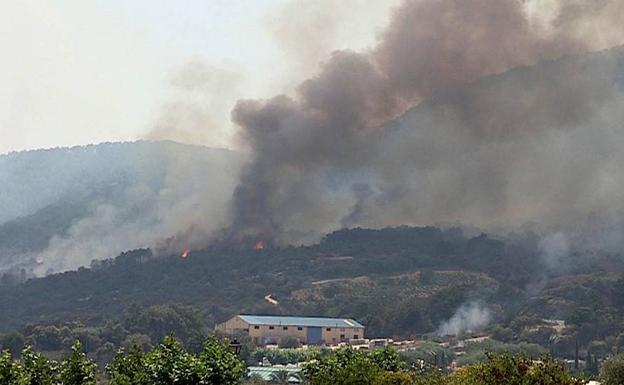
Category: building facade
[308,330]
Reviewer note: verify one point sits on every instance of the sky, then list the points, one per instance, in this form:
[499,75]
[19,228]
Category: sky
[87,71]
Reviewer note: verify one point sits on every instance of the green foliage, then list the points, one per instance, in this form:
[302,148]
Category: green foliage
[500,333]
[499,369]
[9,370]
[353,367]
[289,356]
[430,353]
[397,281]
[186,322]
[37,369]
[515,370]
[127,368]
[346,367]
[477,352]
[77,369]
[612,372]
[13,341]
[212,277]
[220,366]
[33,369]
[388,359]
[169,363]
[394,378]
[432,377]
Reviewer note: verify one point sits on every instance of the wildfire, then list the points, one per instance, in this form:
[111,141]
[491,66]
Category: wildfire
[185,253]
[259,245]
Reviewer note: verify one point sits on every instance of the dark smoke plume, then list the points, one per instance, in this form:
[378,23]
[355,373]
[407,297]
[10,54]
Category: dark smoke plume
[484,146]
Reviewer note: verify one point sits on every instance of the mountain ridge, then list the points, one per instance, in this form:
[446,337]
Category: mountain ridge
[87,183]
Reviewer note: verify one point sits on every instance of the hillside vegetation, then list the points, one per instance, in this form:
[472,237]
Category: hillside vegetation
[401,282]
[61,208]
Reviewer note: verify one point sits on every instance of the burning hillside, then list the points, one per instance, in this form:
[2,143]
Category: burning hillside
[483,146]
[498,114]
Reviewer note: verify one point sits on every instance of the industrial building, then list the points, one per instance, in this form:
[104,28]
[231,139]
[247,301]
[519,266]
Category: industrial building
[308,330]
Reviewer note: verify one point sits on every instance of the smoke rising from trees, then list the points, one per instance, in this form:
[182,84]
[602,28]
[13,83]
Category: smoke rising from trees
[537,144]
[489,113]
[469,318]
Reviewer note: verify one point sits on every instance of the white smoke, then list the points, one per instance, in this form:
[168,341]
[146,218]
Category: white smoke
[183,211]
[554,248]
[468,318]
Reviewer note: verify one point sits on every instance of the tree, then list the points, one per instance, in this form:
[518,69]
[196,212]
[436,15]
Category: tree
[350,367]
[388,359]
[9,370]
[105,353]
[127,369]
[500,333]
[169,363]
[432,377]
[612,372]
[13,341]
[515,370]
[394,378]
[37,369]
[141,340]
[77,369]
[218,365]
[346,367]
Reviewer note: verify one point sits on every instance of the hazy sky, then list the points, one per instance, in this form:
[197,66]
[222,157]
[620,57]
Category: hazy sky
[86,71]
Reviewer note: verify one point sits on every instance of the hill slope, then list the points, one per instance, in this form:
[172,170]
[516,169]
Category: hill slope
[400,281]
[61,208]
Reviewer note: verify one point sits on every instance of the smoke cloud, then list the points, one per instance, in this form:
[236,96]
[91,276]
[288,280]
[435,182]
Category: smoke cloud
[469,318]
[161,205]
[554,248]
[493,113]
[202,96]
[327,25]
[514,124]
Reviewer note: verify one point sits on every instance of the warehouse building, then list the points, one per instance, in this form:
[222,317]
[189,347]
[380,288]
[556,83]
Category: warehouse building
[308,330]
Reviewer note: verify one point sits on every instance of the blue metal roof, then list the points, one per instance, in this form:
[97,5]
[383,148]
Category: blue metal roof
[301,321]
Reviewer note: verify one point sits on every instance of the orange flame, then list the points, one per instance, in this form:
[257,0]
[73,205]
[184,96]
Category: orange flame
[185,253]
[259,245]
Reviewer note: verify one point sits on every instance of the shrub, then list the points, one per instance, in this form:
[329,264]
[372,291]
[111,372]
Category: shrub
[612,372]
[515,370]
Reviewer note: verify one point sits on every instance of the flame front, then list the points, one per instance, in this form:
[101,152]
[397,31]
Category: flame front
[259,245]
[185,253]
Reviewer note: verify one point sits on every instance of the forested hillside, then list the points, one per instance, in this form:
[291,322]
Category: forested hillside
[61,208]
[398,281]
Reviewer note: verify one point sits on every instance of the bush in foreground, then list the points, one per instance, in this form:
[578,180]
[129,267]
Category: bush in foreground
[384,367]
[35,369]
[515,370]
[612,372]
[348,366]
[169,363]
[166,364]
